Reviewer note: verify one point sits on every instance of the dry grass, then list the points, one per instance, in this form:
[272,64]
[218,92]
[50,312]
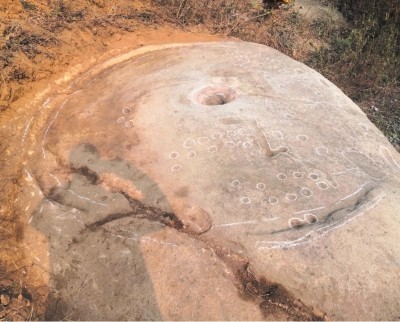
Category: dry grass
[363,59]
[33,41]
[19,301]
[247,20]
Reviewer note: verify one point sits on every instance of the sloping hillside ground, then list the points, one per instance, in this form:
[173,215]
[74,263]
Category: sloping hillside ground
[41,40]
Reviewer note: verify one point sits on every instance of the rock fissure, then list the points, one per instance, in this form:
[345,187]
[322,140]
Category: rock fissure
[359,202]
[89,174]
[268,295]
[143,211]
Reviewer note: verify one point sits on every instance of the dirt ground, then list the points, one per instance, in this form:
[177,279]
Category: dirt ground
[44,44]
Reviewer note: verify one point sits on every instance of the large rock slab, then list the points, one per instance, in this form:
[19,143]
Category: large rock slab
[160,166]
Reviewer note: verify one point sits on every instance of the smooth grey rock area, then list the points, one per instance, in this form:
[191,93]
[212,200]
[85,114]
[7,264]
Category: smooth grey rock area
[250,150]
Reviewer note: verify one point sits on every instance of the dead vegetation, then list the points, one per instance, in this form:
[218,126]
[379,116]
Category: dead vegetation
[37,38]
[19,300]
[248,20]
[363,59]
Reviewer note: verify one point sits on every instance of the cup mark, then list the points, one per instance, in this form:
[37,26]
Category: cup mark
[188,143]
[121,120]
[291,196]
[306,192]
[173,155]
[235,183]
[176,167]
[322,185]
[261,186]
[126,110]
[281,176]
[302,138]
[245,200]
[203,140]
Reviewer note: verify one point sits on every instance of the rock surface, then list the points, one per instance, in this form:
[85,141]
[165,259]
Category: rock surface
[175,177]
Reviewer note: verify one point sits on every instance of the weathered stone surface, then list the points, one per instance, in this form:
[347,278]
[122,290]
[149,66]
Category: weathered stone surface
[236,147]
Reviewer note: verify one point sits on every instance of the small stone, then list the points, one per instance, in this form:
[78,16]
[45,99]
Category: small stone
[3,106]
[5,299]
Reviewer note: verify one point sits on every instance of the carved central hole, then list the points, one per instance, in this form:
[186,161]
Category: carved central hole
[215,95]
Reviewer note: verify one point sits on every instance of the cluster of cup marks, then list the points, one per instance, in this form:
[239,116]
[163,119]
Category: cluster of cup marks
[210,143]
[124,119]
[295,222]
[305,192]
[273,200]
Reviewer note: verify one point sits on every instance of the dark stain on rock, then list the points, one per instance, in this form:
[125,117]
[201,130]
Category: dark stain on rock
[87,147]
[19,232]
[90,175]
[56,309]
[182,192]
[271,297]
[354,206]
[141,210]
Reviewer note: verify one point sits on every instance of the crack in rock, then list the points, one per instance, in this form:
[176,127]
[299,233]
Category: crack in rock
[143,211]
[359,202]
[270,297]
